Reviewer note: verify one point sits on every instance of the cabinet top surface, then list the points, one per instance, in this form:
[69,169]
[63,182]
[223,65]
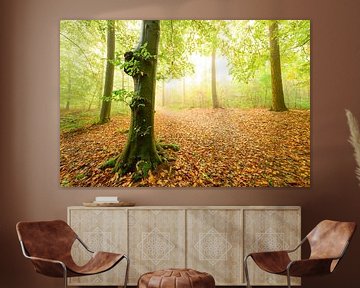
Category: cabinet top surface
[193,207]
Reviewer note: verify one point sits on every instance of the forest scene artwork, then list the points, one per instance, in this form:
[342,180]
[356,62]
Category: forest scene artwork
[185,103]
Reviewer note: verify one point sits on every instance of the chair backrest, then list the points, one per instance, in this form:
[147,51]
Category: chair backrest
[46,239]
[329,239]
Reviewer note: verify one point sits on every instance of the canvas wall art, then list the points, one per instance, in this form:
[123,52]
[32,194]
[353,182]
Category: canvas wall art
[184,103]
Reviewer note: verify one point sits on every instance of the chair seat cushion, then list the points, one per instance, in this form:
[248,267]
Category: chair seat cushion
[176,278]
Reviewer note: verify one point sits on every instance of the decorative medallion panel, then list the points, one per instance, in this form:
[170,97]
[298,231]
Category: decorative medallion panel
[156,240]
[100,230]
[270,230]
[214,244]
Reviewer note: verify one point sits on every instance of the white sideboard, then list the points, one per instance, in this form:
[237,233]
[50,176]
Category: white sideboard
[211,239]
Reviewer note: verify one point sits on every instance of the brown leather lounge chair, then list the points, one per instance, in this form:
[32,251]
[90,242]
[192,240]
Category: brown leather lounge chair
[48,245]
[328,242]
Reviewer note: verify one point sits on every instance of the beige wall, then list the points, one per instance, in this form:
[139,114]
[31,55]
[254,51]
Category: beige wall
[29,111]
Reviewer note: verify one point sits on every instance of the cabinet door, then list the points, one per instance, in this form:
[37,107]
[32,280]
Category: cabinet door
[269,230]
[214,244]
[101,230]
[156,240]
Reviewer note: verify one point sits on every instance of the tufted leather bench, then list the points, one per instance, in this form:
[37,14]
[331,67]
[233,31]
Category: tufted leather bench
[176,278]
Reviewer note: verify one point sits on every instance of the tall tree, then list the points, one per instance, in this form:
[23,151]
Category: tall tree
[109,73]
[140,154]
[278,103]
[249,57]
[67,108]
[215,99]
[210,31]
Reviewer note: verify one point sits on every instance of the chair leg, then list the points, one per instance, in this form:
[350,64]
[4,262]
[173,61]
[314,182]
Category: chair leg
[288,278]
[127,271]
[65,276]
[246,272]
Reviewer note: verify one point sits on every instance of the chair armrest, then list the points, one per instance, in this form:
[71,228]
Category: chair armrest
[298,246]
[46,260]
[49,267]
[309,267]
[281,251]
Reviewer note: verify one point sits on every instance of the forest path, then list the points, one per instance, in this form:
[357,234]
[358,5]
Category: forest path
[218,147]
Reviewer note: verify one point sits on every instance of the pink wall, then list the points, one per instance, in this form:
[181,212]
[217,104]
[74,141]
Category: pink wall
[29,123]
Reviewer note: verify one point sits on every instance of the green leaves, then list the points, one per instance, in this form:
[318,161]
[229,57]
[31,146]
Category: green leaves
[176,45]
[132,62]
[122,95]
[143,53]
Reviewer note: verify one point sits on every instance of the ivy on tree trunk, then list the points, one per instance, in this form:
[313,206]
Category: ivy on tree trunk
[140,154]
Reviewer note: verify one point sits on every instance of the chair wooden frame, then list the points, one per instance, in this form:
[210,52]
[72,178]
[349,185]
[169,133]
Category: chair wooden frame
[59,268]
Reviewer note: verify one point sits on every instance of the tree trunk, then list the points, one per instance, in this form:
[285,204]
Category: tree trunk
[184,92]
[215,100]
[67,108]
[109,73]
[278,103]
[140,154]
[122,80]
[163,94]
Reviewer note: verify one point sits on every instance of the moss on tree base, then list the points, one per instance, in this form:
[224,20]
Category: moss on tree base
[140,166]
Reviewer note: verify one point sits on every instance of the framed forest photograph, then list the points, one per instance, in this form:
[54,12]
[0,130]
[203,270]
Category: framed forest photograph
[184,103]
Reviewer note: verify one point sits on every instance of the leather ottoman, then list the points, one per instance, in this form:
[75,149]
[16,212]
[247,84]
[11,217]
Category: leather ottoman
[176,278]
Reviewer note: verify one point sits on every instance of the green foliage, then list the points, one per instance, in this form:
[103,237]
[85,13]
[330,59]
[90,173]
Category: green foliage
[132,66]
[176,45]
[123,95]
[108,164]
[244,44]
[80,176]
[142,170]
[174,147]
[137,102]
[83,58]
[80,64]
[75,120]
[248,50]
[143,53]
[65,183]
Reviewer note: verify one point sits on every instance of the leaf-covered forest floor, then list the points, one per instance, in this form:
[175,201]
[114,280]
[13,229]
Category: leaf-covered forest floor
[218,147]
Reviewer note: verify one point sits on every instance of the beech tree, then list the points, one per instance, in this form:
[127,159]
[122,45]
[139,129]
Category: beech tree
[140,153]
[278,103]
[255,51]
[215,100]
[109,73]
